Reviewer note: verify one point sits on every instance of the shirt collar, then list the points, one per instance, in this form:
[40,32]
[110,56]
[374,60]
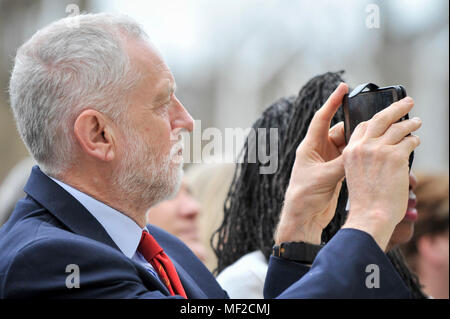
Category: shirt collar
[124,231]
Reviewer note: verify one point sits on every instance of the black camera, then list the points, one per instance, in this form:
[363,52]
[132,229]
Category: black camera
[365,101]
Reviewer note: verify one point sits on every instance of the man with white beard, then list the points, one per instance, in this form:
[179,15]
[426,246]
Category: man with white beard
[95,105]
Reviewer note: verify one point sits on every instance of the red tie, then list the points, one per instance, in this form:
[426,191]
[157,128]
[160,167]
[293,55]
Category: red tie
[155,255]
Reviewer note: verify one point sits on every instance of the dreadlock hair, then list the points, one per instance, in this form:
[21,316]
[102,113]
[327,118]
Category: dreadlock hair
[254,201]
[250,209]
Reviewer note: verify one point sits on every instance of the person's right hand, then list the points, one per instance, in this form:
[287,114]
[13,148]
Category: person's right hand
[377,171]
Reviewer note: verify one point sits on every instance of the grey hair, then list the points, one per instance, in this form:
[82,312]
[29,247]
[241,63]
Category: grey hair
[70,65]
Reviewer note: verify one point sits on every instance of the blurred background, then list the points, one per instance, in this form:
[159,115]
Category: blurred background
[231,59]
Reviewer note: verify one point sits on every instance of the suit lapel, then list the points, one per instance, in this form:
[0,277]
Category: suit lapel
[65,208]
[191,287]
[193,291]
[149,281]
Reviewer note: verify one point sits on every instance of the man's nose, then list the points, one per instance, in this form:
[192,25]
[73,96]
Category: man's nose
[181,118]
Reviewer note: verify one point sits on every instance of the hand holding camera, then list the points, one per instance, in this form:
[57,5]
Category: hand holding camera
[376,162]
[316,178]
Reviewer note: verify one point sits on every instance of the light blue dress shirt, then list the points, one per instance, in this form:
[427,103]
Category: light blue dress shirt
[124,231]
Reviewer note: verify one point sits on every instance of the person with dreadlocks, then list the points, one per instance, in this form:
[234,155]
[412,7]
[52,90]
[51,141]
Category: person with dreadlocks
[254,202]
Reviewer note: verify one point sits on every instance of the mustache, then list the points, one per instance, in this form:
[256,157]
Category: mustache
[179,146]
[176,151]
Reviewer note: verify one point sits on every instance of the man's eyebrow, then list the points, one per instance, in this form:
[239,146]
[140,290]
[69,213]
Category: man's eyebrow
[172,88]
[164,94]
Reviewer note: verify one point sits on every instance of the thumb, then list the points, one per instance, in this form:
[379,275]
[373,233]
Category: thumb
[335,169]
[320,124]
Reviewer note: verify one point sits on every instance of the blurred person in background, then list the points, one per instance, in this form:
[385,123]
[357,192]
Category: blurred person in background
[254,202]
[427,252]
[209,183]
[180,217]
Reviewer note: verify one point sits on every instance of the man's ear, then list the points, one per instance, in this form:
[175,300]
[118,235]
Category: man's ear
[95,134]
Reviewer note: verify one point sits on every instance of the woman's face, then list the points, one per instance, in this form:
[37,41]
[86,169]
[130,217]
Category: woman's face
[405,229]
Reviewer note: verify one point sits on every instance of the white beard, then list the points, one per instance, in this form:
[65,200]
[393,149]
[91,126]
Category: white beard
[146,178]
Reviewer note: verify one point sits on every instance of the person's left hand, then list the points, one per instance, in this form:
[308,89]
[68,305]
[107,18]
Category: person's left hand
[316,178]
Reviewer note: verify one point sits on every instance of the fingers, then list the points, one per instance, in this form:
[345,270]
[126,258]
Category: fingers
[385,118]
[335,169]
[359,131]
[337,135]
[408,144]
[398,131]
[320,124]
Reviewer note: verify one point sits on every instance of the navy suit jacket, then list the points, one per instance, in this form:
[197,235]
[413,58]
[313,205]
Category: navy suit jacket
[50,230]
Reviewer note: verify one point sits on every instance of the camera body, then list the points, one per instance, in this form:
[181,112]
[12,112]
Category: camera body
[365,101]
